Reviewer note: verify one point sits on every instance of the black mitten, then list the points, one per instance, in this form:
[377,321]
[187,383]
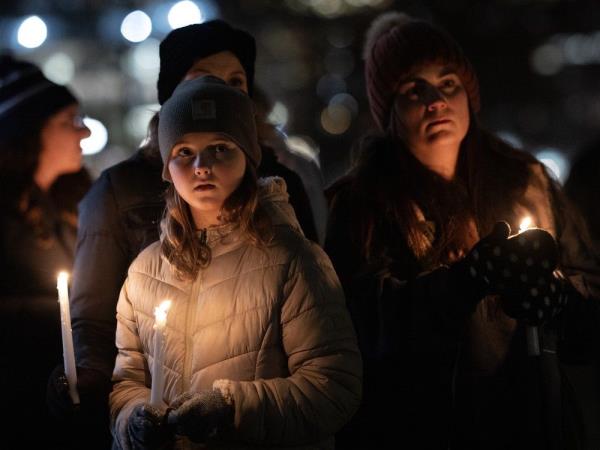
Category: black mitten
[521,270]
[202,415]
[93,387]
[147,428]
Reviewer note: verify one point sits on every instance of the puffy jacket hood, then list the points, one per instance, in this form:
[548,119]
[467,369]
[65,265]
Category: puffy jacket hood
[273,196]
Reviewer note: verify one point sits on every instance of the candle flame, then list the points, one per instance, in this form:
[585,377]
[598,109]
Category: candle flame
[160,313]
[526,223]
[62,279]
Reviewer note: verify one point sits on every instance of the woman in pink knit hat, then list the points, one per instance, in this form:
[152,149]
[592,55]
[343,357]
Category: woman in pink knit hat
[443,300]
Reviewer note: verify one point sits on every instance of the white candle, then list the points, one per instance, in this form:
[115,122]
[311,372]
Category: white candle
[67,336]
[158,375]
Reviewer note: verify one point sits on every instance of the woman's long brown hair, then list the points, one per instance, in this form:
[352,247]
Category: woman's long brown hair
[389,182]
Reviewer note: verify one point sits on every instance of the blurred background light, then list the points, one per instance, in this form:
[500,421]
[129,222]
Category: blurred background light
[329,85]
[97,139]
[547,59]
[59,68]
[184,13]
[510,138]
[32,32]
[345,100]
[137,119]
[327,8]
[142,61]
[303,146]
[336,119]
[136,26]
[556,162]
[279,115]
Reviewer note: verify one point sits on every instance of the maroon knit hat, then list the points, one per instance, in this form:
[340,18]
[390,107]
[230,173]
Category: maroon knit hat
[395,44]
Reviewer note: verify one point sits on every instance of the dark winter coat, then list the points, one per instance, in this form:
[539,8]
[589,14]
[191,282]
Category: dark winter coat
[32,254]
[416,388]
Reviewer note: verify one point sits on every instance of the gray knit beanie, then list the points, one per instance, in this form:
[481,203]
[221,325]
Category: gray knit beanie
[208,104]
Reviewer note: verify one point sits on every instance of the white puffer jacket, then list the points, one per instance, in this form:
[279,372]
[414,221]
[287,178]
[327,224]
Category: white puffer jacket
[267,326]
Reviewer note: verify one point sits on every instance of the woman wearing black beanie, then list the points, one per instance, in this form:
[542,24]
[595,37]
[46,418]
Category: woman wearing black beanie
[41,181]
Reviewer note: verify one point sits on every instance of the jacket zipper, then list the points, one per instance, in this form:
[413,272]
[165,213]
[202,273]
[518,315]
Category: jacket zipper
[190,314]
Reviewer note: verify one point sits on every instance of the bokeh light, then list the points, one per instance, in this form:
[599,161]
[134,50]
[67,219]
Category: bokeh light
[59,68]
[345,100]
[547,60]
[279,115]
[184,13]
[136,26]
[336,119]
[304,147]
[510,138]
[329,85]
[97,139]
[143,62]
[137,119]
[556,162]
[32,32]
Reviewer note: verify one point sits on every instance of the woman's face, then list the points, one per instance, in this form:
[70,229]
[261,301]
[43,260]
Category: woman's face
[431,112]
[60,140]
[206,168]
[223,65]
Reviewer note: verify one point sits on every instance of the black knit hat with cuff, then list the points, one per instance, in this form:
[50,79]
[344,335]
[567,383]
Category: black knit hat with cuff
[208,104]
[27,97]
[184,46]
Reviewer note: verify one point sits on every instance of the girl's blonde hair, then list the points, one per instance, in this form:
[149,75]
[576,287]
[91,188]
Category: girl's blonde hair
[186,248]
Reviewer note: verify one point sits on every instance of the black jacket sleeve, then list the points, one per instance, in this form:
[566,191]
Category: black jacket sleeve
[101,262]
[118,218]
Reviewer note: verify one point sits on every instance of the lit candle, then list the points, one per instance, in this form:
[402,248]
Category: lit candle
[158,375]
[525,223]
[67,337]
[531,332]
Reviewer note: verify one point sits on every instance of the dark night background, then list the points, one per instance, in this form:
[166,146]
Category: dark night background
[538,63]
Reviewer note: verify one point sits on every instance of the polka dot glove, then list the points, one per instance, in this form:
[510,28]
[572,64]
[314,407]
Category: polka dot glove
[519,269]
[538,302]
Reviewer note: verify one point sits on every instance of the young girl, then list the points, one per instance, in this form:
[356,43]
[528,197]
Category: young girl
[260,350]
[441,316]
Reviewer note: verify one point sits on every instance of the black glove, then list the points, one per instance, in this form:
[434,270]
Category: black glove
[93,387]
[147,428]
[201,416]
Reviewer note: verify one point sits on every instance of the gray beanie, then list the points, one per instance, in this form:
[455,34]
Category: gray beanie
[208,104]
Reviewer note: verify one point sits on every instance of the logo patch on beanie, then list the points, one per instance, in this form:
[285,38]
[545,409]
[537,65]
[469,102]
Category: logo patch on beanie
[204,109]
